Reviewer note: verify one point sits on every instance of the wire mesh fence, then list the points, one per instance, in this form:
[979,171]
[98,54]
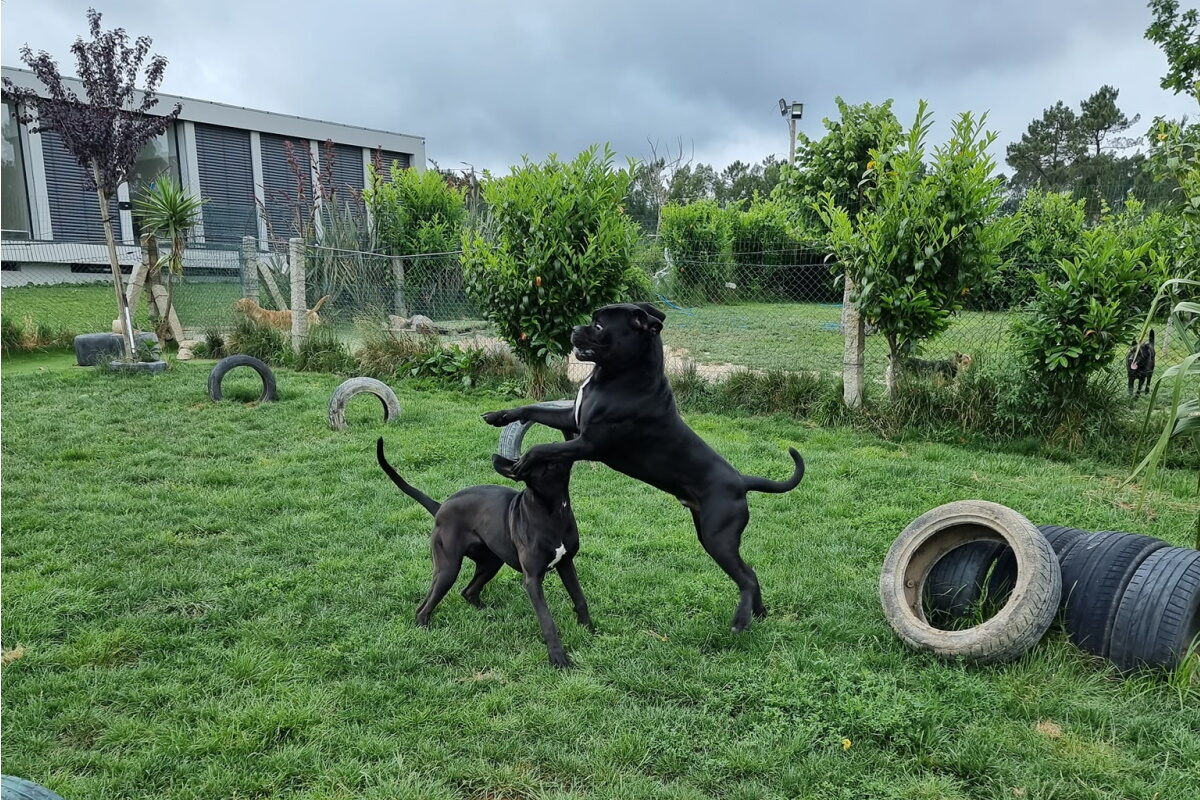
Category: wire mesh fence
[753,307]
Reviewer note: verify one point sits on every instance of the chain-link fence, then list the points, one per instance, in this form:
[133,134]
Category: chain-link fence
[757,307]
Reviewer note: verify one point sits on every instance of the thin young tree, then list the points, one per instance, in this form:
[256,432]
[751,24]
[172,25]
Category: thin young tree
[106,131]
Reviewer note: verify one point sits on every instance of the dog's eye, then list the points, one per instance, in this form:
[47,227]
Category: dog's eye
[599,327]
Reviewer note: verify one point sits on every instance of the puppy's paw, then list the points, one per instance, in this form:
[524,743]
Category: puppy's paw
[499,419]
[559,660]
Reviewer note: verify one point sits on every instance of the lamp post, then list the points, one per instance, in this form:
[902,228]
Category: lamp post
[791,112]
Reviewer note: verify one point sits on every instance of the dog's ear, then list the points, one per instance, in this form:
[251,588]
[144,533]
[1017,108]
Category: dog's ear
[504,466]
[652,310]
[647,318]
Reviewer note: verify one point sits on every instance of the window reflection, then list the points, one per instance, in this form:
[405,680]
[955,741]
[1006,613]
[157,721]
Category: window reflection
[14,198]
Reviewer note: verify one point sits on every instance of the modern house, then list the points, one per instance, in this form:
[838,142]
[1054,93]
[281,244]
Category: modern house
[247,164]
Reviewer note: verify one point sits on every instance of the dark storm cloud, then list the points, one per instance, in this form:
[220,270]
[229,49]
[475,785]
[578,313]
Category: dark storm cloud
[486,82]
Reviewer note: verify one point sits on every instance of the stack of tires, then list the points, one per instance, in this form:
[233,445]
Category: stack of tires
[1129,598]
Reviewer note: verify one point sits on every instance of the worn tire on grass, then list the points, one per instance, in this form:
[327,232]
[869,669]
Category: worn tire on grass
[962,577]
[13,788]
[1095,572]
[1016,627]
[513,434]
[1062,538]
[1158,618]
[348,389]
[232,362]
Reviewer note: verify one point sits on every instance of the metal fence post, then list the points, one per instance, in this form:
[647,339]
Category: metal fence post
[249,259]
[398,299]
[299,305]
[852,351]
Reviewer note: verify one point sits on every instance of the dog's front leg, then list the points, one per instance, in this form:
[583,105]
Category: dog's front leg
[577,449]
[570,580]
[562,419]
[533,585]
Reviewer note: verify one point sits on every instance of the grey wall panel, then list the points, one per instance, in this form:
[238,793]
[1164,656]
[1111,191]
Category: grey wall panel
[383,161]
[227,183]
[74,209]
[347,171]
[287,198]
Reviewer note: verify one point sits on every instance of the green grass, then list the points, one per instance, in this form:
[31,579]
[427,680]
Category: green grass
[216,600]
[800,336]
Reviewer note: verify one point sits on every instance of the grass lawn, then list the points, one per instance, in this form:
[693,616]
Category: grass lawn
[216,600]
[807,336]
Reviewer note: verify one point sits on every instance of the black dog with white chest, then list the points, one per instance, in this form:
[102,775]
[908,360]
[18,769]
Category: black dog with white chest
[533,531]
[625,417]
[1139,366]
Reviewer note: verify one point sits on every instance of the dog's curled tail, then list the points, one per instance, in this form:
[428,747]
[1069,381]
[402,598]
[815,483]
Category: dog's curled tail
[753,483]
[428,502]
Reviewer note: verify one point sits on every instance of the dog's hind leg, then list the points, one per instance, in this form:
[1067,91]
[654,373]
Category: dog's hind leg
[570,580]
[533,585]
[486,567]
[445,573]
[719,526]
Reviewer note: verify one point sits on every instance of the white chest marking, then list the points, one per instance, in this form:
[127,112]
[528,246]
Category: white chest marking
[579,399]
[559,552]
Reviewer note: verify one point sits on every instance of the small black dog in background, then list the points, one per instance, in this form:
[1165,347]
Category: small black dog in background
[1139,366]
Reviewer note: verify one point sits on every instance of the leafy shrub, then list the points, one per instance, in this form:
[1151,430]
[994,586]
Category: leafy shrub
[29,335]
[698,239]
[267,344]
[1052,226]
[387,356]
[211,346]
[556,247]
[925,236]
[1078,319]
[323,351]
[636,286]
[11,335]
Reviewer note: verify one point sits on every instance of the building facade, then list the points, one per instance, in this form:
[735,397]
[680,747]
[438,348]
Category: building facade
[248,165]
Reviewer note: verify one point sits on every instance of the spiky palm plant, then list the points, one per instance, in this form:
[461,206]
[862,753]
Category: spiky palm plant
[165,209]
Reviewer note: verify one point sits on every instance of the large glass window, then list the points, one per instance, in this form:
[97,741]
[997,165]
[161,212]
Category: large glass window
[159,157]
[14,198]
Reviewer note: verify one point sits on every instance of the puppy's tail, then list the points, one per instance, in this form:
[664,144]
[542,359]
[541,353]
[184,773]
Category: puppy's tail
[428,502]
[753,483]
[320,303]
[1152,337]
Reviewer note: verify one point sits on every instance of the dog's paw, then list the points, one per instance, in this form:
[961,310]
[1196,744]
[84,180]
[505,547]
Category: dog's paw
[499,418]
[560,661]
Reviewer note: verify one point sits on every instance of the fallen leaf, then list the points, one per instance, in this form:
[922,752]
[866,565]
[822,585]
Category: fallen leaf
[1048,728]
[9,656]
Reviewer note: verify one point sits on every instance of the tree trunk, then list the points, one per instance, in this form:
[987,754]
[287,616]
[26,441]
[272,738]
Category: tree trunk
[124,317]
[853,336]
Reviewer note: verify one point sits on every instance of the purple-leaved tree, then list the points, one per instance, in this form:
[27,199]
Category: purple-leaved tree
[106,131]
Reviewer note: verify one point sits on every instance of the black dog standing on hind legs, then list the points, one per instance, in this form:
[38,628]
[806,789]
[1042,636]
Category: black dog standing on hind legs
[533,531]
[1139,366]
[625,417]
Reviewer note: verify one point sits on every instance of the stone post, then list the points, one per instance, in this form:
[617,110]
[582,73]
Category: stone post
[249,263]
[398,300]
[299,306]
[853,337]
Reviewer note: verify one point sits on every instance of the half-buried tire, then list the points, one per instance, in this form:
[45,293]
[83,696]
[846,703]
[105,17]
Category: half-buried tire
[348,389]
[1016,627]
[1158,618]
[233,362]
[1095,572]
[513,434]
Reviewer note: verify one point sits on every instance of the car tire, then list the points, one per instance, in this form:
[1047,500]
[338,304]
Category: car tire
[1158,618]
[1016,627]
[354,386]
[1095,573]
[232,362]
[513,434]
[13,788]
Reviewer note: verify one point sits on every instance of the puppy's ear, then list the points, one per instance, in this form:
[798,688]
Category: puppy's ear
[652,310]
[643,321]
[504,466]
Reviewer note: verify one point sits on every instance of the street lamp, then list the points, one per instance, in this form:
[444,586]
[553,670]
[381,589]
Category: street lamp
[791,112]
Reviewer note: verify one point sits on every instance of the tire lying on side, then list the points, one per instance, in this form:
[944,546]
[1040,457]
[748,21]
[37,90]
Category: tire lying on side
[232,362]
[13,788]
[1158,618]
[343,393]
[1095,572]
[1016,627]
[1062,538]
[513,434]
[965,575]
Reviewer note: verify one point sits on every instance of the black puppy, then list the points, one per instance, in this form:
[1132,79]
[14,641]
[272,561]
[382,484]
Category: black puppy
[625,417]
[533,531]
[1139,366]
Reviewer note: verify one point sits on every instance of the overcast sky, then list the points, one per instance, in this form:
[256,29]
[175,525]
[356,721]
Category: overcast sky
[486,82]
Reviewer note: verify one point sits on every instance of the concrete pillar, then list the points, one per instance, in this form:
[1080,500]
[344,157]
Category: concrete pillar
[299,306]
